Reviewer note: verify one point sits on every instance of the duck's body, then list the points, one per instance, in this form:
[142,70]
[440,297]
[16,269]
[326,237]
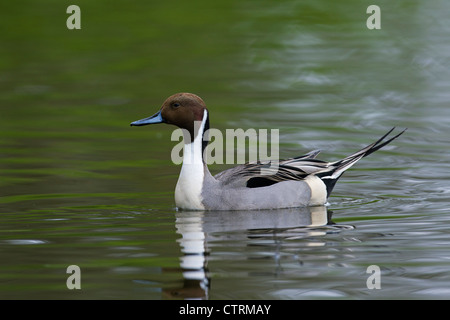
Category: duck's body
[296,182]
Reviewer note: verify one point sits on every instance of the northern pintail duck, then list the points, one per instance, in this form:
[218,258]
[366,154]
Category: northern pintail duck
[296,182]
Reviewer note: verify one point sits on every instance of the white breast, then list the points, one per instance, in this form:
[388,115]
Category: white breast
[190,182]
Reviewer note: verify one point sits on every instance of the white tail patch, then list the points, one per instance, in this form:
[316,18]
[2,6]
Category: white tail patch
[318,190]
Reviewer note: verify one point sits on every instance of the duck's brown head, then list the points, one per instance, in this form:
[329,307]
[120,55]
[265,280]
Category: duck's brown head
[180,109]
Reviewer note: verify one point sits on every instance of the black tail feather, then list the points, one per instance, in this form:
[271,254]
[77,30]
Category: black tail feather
[337,168]
[377,147]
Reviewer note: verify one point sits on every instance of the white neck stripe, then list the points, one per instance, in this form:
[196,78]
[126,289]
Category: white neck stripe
[190,182]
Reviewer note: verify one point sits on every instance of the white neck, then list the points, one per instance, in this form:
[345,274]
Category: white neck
[189,186]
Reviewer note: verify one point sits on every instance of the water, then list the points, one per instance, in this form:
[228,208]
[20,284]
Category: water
[78,186]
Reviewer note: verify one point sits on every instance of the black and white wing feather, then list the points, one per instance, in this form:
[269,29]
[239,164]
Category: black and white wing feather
[262,174]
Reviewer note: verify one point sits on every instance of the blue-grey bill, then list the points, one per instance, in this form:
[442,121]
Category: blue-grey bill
[156,118]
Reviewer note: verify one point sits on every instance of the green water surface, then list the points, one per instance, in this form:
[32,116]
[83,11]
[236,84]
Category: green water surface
[79,186]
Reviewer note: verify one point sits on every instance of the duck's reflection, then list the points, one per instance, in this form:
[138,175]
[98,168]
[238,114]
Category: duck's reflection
[197,228]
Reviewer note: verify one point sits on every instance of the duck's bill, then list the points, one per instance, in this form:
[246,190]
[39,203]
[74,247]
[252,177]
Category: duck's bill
[156,118]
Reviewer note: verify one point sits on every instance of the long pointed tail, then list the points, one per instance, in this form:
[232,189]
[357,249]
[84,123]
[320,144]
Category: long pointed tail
[337,168]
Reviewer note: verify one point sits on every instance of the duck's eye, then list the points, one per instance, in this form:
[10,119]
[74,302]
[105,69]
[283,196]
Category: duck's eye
[175,105]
